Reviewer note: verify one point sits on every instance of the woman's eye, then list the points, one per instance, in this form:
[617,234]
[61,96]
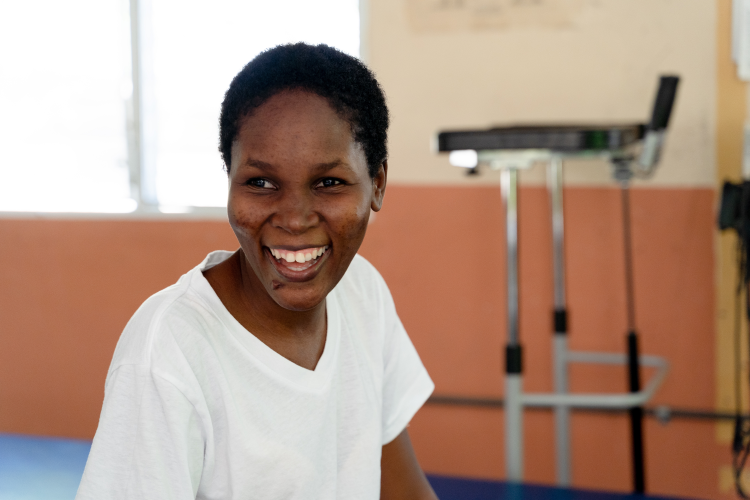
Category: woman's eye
[330,182]
[260,183]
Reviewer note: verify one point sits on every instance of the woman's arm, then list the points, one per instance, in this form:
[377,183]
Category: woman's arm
[401,476]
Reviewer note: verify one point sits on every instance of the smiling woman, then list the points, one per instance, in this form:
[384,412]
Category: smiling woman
[280,370]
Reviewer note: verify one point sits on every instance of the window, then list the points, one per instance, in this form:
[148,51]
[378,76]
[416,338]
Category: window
[63,78]
[112,106]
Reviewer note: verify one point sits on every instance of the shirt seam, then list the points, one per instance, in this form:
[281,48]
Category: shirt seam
[152,327]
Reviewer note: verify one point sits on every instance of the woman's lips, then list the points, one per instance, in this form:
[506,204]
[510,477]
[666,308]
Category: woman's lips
[298,265]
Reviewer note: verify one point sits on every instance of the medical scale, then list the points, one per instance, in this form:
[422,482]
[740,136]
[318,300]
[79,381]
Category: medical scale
[632,150]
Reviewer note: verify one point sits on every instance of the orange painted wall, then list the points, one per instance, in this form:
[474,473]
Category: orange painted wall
[67,288]
[451,298]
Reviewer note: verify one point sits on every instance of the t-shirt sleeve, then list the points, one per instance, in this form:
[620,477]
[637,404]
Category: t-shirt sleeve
[149,443]
[406,384]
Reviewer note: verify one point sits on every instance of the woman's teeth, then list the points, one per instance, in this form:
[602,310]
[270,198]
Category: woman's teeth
[300,256]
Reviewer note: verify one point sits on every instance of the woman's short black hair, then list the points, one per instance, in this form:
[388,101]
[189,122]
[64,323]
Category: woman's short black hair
[347,84]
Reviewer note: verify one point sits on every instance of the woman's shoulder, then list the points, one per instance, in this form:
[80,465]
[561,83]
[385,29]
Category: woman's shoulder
[363,289]
[135,345]
[176,311]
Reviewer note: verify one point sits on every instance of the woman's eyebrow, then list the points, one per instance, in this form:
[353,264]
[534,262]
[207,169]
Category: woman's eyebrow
[251,162]
[320,167]
[324,167]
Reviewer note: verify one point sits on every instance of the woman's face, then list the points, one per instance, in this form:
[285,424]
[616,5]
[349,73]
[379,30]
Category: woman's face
[299,198]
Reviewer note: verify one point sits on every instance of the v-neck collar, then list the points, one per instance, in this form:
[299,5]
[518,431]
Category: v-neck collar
[311,379]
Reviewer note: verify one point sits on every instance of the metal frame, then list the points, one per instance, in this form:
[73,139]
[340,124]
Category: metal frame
[509,162]
[560,338]
[513,380]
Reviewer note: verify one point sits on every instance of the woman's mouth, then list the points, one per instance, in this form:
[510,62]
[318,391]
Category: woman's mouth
[297,260]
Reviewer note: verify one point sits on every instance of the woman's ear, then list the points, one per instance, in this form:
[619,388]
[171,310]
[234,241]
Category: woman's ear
[378,187]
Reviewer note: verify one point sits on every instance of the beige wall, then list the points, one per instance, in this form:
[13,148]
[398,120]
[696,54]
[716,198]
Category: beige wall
[474,63]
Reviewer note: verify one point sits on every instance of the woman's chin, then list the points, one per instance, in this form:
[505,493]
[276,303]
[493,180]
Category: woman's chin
[297,300]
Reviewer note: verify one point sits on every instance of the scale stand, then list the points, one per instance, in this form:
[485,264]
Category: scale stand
[513,358]
[560,322]
[510,149]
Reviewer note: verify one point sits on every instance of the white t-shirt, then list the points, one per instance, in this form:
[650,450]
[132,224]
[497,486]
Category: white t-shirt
[197,407]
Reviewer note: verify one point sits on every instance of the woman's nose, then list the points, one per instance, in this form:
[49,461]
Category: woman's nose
[296,213]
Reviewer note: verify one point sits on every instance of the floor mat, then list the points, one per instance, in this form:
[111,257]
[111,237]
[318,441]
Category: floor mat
[43,468]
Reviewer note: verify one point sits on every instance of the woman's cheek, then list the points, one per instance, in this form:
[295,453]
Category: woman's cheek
[243,219]
[355,225]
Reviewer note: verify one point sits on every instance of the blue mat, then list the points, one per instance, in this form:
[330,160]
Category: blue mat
[39,468]
[449,488]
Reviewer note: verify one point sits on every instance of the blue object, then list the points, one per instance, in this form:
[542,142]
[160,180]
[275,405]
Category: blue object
[41,468]
[451,488]
[44,468]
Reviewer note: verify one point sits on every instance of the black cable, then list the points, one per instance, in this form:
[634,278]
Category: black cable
[741,440]
[634,377]
[738,462]
[737,319]
[739,455]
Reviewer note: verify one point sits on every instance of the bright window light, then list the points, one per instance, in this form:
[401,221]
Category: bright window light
[64,72]
[66,91]
[198,47]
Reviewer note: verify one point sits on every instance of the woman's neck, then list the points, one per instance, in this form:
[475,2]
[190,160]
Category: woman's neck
[299,336]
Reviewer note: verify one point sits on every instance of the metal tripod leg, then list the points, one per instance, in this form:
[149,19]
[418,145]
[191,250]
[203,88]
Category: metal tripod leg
[560,342]
[513,386]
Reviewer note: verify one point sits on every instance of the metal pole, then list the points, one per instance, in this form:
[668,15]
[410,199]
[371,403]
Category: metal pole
[560,341]
[513,368]
[634,378]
